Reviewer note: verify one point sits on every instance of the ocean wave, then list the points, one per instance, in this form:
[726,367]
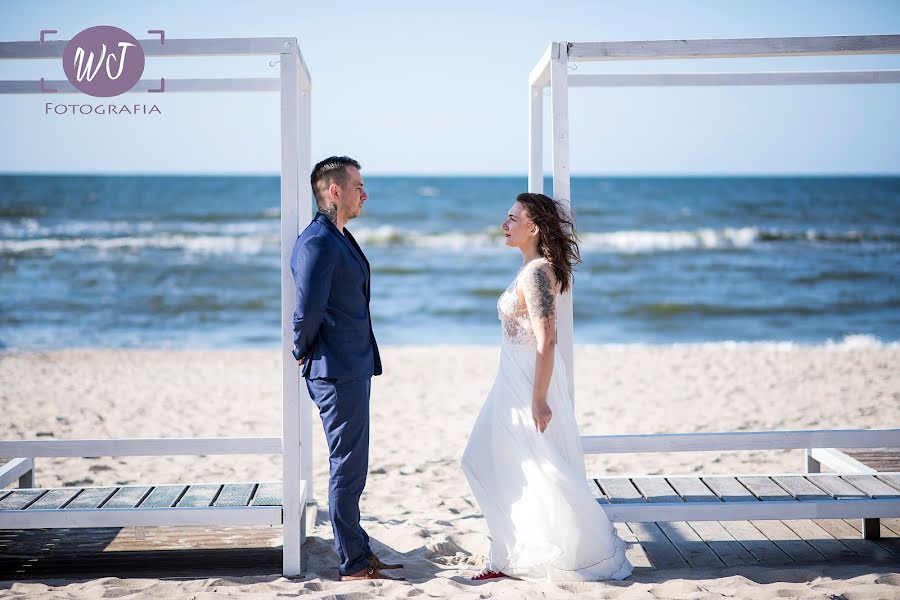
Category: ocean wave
[200,244]
[668,310]
[655,241]
[858,341]
[626,241]
[32,228]
[28,234]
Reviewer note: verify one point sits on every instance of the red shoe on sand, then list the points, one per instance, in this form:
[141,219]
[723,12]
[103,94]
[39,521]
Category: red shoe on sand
[487,574]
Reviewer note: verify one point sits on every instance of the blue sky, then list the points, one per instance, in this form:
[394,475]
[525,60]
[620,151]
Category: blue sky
[441,88]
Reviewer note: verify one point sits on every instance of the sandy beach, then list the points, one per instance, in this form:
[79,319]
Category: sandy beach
[417,506]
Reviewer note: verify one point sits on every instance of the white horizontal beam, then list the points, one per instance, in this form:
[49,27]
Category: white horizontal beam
[839,461]
[267,46]
[223,516]
[249,84]
[649,512]
[540,74]
[695,475]
[704,79]
[11,471]
[140,447]
[735,48]
[741,440]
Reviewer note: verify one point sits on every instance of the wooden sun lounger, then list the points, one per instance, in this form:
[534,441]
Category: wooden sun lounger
[855,491]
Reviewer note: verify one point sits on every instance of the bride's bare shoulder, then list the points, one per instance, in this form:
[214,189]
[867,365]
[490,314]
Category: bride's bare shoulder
[537,271]
[538,285]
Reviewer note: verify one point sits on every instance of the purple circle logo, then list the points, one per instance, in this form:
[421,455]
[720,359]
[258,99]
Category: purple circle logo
[103,61]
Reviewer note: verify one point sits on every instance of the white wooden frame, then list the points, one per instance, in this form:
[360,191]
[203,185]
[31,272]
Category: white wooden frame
[553,70]
[294,86]
[18,469]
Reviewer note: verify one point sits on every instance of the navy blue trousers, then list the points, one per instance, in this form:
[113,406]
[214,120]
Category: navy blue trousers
[344,408]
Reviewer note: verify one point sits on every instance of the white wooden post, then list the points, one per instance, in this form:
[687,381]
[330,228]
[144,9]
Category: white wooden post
[292,521]
[559,103]
[304,216]
[536,139]
[810,463]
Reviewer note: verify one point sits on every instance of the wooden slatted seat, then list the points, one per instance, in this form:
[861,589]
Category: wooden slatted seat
[745,497]
[227,504]
[854,491]
[224,504]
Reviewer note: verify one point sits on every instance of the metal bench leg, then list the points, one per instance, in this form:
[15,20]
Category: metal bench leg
[871,529]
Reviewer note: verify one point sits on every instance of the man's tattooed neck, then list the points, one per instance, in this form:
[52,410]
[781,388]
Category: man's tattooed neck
[330,211]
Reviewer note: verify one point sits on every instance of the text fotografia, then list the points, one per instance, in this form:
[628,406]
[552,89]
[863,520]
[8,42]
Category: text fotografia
[100,109]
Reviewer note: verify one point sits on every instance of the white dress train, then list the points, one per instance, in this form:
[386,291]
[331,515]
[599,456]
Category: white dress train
[544,522]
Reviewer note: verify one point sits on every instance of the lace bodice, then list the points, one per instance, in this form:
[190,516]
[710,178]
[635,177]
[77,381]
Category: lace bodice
[516,326]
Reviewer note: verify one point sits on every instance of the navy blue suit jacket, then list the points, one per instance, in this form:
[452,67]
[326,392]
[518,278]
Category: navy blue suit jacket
[332,323]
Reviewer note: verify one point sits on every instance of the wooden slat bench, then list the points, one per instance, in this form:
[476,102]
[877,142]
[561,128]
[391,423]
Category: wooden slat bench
[856,491]
[199,504]
[144,505]
[653,498]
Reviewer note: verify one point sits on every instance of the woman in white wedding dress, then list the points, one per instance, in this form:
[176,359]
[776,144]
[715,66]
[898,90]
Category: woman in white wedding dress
[524,460]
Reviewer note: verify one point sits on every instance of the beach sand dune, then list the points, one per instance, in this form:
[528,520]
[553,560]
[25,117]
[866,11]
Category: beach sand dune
[417,506]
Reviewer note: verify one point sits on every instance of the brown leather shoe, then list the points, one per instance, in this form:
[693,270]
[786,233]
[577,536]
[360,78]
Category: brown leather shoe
[376,563]
[369,573]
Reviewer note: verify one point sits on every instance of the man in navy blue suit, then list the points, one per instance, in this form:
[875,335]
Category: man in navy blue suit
[336,349]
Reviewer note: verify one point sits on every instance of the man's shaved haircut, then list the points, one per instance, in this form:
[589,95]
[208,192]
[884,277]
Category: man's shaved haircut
[331,170]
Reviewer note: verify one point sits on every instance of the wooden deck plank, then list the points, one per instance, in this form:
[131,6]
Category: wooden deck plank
[801,488]
[888,542]
[21,498]
[91,497]
[728,488]
[690,545]
[892,479]
[200,494]
[892,525]
[267,494]
[658,547]
[127,496]
[821,540]
[163,496]
[619,491]
[765,489]
[880,459]
[635,555]
[656,489]
[54,498]
[235,494]
[729,550]
[785,538]
[195,552]
[692,489]
[598,492]
[867,549]
[872,486]
[837,487]
[755,541]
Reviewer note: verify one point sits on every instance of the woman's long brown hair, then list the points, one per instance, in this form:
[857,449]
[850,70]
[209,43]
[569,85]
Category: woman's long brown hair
[558,242]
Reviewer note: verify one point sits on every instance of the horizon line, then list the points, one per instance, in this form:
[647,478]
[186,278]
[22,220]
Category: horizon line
[379,174]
